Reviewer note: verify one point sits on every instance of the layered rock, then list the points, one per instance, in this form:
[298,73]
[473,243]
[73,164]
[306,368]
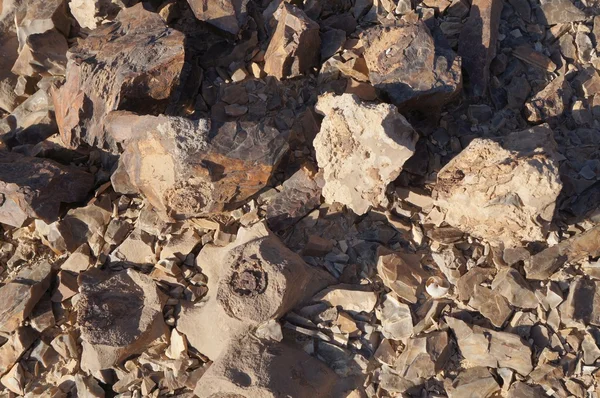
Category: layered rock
[228,15]
[35,188]
[503,190]
[361,148]
[409,67]
[133,63]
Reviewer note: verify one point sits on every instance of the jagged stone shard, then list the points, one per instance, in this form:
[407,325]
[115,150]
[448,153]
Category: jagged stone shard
[424,356]
[411,68]
[133,63]
[550,102]
[119,316]
[361,148]
[504,190]
[401,272]
[582,305]
[250,368]
[294,47]
[30,122]
[34,188]
[191,168]
[228,15]
[252,280]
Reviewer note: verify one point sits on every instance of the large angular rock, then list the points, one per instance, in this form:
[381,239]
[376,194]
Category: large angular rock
[294,47]
[252,280]
[560,11]
[424,356]
[190,168]
[31,122]
[35,188]
[491,305]
[228,15]
[550,102]
[477,43]
[409,67]
[133,63]
[503,190]
[252,368]
[17,344]
[9,46]
[20,295]
[582,305]
[510,284]
[402,273]
[119,315]
[474,382]
[361,148]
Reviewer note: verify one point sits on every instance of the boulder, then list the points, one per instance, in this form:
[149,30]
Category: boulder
[133,63]
[34,188]
[361,148]
[119,315]
[410,67]
[227,15]
[503,190]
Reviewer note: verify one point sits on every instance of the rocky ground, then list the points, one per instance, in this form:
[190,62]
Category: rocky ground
[319,198]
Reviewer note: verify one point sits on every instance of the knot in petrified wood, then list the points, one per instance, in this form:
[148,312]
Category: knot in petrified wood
[249,278]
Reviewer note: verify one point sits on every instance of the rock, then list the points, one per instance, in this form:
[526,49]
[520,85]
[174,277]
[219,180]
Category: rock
[590,349]
[88,387]
[550,102]
[179,246]
[178,346]
[9,45]
[250,281]
[65,345]
[585,48]
[510,284]
[92,13]
[43,353]
[560,11]
[520,389]
[317,246]
[401,273]
[20,295]
[14,380]
[332,42]
[466,284]
[485,347]
[491,305]
[526,53]
[396,319]
[522,169]
[361,148]
[348,297]
[253,368]
[227,15]
[582,305]
[424,356]
[474,382]
[362,90]
[35,188]
[293,49]
[117,67]
[80,260]
[203,169]
[411,68]
[542,265]
[129,305]
[42,317]
[137,249]
[67,287]
[477,43]
[16,345]
[518,91]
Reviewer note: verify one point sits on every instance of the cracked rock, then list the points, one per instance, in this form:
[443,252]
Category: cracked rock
[491,305]
[30,122]
[510,284]
[424,356]
[401,273]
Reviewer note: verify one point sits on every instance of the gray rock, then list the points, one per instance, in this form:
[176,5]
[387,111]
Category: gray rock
[560,11]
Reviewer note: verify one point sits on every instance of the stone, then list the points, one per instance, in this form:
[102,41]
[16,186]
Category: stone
[17,344]
[227,15]
[527,54]
[550,102]
[485,347]
[560,11]
[43,353]
[189,168]
[582,305]
[477,43]
[511,284]
[363,90]
[42,317]
[80,260]
[491,305]
[14,380]
[522,169]
[9,45]
[66,346]
[396,319]
[129,305]
[67,287]
[465,285]
[331,42]
[520,389]
[250,281]
[178,346]
[179,246]
[116,67]
[35,188]
[590,349]
[137,249]
[401,273]
[254,368]
[420,72]
[585,48]
[317,246]
[474,382]
[294,46]
[518,91]
[361,148]
[542,265]
[20,295]
[31,122]
[88,387]
[348,298]
[424,356]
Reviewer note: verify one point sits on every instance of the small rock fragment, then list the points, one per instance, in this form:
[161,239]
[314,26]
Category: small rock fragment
[67,287]
[402,276]
[228,15]
[491,305]
[526,53]
[424,356]
[590,349]
[511,284]
[396,319]
[31,122]
[88,387]
[348,298]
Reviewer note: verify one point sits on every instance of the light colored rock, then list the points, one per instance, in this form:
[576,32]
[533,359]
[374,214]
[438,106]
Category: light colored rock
[348,297]
[491,305]
[88,387]
[582,306]
[137,248]
[560,11]
[396,319]
[17,344]
[79,261]
[43,353]
[401,272]
[178,346]
[361,148]
[66,346]
[474,382]
[424,356]
[67,287]
[14,380]
[590,349]
[228,15]
[466,284]
[91,13]
[179,246]
[503,191]
[510,284]
[550,102]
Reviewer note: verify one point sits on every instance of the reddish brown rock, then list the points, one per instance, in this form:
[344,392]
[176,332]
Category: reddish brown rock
[228,15]
[294,47]
[477,43]
[133,63]
[411,68]
[35,188]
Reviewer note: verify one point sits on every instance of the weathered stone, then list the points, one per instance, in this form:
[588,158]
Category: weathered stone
[466,284]
[411,68]
[253,368]
[136,249]
[401,272]
[520,389]
[43,353]
[590,349]
[14,380]
[474,382]
[119,316]
[560,11]
[503,190]
[133,63]
[188,168]
[9,45]
[477,43]
[65,345]
[88,387]
[180,245]
[396,319]
[424,356]
[550,102]
[511,284]
[250,281]
[491,305]
[348,297]
[19,296]
[67,287]
[361,148]
[35,188]
[294,46]
[582,305]
[332,42]
[91,13]
[585,48]
[42,317]
[228,15]
[30,122]
[485,347]
[526,53]
[546,262]
[17,344]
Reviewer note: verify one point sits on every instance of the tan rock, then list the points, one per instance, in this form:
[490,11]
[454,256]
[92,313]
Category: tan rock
[496,189]
[526,53]
[520,389]
[14,380]
[16,345]
[474,382]
[401,272]
[137,248]
[491,305]
[67,287]
[228,15]
[66,346]
[396,319]
[466,284]
[550,102]
[88,387]
[424,356]
[348,297]
[79,261]
[43,353]
[30,122]
[42,317]
[91,13]
[582,305]
[179,246]
[178,346]
[510,284]
[361,148]
[294,46]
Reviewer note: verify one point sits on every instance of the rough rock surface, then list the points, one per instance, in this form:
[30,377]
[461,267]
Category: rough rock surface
[228,15]
[30,122]
[423,356]
[503,191]
[550,102]
[91,13]
[560,11]
[34,187]
[119,314]
[475,382]
[361,148]
[133,63]
[9,45]
[408,66]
